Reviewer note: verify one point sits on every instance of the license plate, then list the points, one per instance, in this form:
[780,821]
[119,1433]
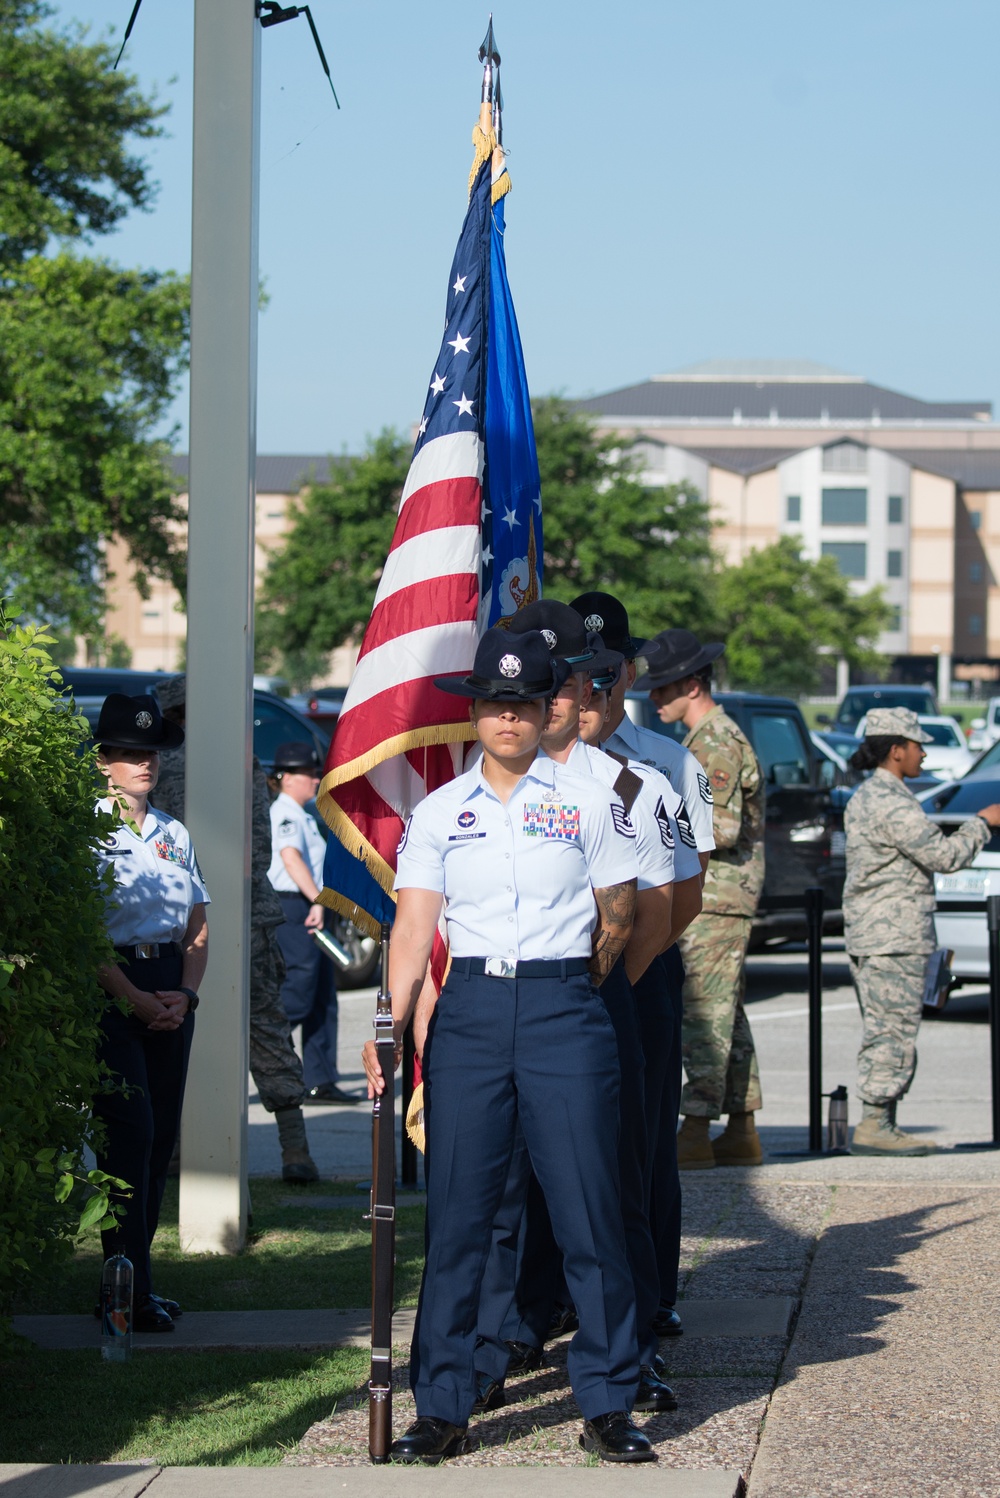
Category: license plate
[965,882]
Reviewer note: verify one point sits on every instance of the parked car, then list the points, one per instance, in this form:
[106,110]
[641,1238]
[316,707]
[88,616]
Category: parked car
[965,931]
[947,756]
[321,707]
[274,721]
[859,700]
[986,730]
[803,828]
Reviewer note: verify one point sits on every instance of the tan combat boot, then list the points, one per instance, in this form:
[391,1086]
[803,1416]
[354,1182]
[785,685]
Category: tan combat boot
[877,1134]
[739,1143]
[694,1148]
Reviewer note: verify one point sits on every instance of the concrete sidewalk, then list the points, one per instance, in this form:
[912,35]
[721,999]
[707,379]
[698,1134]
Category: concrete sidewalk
[362,1482]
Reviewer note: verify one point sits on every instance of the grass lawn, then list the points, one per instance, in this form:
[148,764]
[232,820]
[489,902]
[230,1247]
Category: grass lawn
[191,1408]
[175,1409]
[297,1257]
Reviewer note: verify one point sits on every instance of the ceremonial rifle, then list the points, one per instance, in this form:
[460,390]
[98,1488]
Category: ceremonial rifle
[383,1220]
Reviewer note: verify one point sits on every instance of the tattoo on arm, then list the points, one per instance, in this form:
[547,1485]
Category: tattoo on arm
[615,913]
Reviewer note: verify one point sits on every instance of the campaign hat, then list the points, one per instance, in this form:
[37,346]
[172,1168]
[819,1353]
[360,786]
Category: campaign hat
[604,615]
[509,668]
[135,723]
[673,654]
[566,635]
[297,755]
[895,723]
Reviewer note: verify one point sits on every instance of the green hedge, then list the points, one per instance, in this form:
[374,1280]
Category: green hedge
[52,940]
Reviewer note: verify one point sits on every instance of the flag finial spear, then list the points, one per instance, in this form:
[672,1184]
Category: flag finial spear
[491,96]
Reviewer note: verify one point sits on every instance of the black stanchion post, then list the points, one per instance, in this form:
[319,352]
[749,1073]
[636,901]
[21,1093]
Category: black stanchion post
[408,1154]
[993,928]
[814,925]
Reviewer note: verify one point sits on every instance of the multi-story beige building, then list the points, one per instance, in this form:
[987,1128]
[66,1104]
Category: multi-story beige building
[154,629]
[903,492]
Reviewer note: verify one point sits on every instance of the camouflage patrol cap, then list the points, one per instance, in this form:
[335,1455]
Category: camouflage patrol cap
[895,723]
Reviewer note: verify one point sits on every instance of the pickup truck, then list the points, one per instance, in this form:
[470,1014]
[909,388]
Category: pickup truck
[803,823]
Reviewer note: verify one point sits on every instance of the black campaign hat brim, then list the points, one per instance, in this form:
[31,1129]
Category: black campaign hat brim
[669,674]
[170,737]
[475,687]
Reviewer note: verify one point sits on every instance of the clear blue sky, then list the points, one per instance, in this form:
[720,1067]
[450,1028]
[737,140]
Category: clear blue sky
[690,182]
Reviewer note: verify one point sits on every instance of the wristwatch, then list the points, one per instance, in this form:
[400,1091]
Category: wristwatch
[193,999]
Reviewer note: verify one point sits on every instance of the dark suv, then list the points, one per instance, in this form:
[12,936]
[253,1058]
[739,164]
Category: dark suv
[803,830]
[860,700]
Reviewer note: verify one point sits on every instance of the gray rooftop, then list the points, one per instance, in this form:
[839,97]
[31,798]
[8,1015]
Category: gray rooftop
[278,473]
[759,369]
[792,400]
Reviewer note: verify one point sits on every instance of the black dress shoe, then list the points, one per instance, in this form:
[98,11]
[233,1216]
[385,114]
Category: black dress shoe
[329,1092]
[653,1393]
[667,1323]
[617,1439]
[429,1440]
[564,1319]
[489,1394]
[523,1357]
[171,1307]
[149,1316]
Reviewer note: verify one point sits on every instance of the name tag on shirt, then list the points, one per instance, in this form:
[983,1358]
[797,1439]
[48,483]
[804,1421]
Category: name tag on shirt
[552,819]
[169,851]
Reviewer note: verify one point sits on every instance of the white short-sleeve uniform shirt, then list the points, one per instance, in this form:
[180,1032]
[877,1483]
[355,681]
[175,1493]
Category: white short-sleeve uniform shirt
[664,842]
[676,764]
[293,827]
[157,879]
[518,880]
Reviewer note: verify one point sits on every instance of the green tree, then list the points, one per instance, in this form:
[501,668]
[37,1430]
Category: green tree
[606,529]
[52,936]
[319,588]
[781,615]
[89,353]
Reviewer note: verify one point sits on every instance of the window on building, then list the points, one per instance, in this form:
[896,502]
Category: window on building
[845,457]
[895,509]
[975,519]
[850,556]
[895,618]
[793,509]
[975,624]
[845,507]
[894,564]
[975,572]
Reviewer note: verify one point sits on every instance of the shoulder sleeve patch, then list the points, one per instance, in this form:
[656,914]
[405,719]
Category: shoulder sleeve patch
[406,832]
[704,789]
[663,822]
[620,817]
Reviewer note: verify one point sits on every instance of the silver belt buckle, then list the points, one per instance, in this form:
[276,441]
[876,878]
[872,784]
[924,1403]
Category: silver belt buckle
[501,967]
[147,949]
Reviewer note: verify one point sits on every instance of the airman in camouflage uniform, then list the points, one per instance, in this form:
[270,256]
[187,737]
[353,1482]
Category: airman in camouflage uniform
[274,1064]
[718,1048]
[893,852]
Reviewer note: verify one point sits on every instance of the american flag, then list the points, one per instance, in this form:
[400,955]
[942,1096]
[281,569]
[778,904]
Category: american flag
[466,551]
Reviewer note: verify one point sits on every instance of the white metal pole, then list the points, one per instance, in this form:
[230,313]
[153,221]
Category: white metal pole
[223,440]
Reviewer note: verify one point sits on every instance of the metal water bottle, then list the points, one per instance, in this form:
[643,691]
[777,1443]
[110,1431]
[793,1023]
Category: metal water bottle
[116,1309]
[836,1127]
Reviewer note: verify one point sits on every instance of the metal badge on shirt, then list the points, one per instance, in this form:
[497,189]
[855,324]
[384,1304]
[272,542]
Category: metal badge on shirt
[552,819]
